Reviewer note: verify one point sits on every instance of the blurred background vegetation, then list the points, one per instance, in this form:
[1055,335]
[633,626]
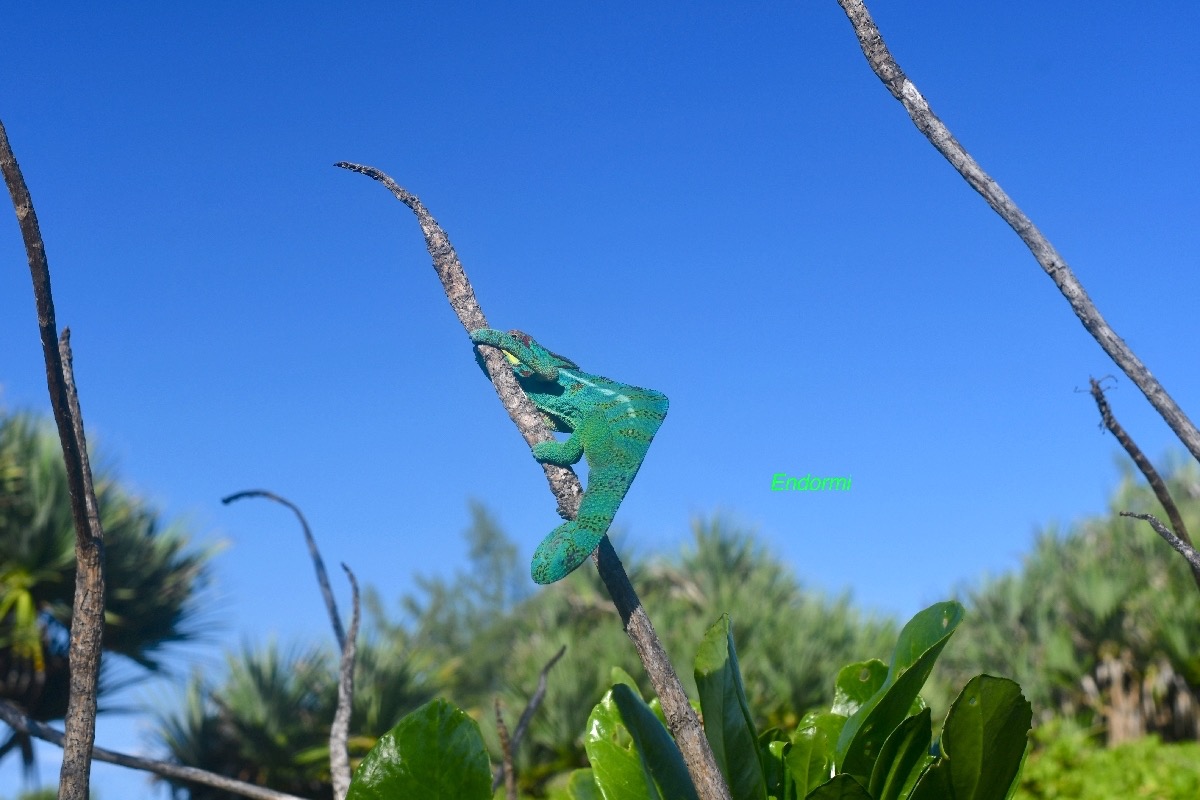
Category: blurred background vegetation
[1098,625]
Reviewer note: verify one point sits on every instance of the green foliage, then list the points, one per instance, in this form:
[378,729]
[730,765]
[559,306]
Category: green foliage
[436,751]
[882,749]
[632,753]
[920,643]
[728,724]
[1068,764]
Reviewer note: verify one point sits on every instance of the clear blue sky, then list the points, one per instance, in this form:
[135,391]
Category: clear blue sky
[718,201]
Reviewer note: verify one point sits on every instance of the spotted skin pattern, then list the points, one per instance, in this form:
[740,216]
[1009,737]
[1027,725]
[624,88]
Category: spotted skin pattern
[611,424]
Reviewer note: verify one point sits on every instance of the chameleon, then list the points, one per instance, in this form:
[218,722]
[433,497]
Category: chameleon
[611,425]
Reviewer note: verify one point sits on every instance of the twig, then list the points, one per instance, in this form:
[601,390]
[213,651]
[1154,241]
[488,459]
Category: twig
[1151,474]
[14,717]
[884,66]
[506,757]
[530,709]
[318,563]
[681,719]
[87,615]
[339,732]
[1185,549]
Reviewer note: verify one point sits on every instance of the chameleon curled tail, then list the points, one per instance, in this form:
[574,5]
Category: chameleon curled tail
[611,425]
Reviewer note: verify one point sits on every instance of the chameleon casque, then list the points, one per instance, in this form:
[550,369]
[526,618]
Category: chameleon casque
[611,424]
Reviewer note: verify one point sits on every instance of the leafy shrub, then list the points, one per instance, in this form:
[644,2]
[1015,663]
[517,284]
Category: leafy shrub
[877,741]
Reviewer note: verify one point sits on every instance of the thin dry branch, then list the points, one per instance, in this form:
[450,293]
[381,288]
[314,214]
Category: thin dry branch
[681,719]
[506,756]
[19,721]
[1185,549]
[903,89]
[339,732]
[87,615]
[1147,469]
[318,564]
[527,715]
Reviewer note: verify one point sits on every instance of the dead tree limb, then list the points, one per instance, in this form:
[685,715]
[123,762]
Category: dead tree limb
[903,89]
[87,614]
[1185,549]
[681,719]
[1148,471]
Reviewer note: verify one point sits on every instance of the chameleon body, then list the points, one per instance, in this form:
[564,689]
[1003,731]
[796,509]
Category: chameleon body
[611,424]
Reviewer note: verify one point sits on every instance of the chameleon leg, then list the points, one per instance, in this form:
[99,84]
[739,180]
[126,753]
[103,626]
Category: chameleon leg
[571,543]
[560,454]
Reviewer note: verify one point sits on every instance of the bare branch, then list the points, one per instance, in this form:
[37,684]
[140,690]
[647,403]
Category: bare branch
[1147,469]
[681,719]
[884,66]
[506,758]
[339,732]
[530,709]
[1185,549]
[19,721]
[318,563]
[87,616]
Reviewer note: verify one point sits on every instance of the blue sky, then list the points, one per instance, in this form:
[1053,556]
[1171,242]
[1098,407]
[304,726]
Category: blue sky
[718,201]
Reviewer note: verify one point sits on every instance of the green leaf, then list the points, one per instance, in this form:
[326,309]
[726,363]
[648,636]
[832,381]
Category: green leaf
[436,751]
[856,684]
[582,786]
[984,738]
[920,643]
[616,766]
[810,758]
[772,753]
[727,720]
[660,758]
[904,755]
[829,723]
[840,787]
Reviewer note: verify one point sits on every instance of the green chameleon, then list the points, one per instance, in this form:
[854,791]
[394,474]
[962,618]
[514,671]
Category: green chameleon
[610,423]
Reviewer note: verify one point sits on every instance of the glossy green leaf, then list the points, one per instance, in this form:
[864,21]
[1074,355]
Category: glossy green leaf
[984,737]
[920,643]
[840,787]
[902,758]
[810,758]
[436,751]
[775,774]
[856,684]
[616,767]
[830,724]
[727,720]
[660,758]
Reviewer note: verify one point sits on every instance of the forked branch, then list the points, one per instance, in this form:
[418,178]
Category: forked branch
[1180,534]
[87,615]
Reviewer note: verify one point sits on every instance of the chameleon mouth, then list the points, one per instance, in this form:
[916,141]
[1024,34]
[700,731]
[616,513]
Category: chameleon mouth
[511,358]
